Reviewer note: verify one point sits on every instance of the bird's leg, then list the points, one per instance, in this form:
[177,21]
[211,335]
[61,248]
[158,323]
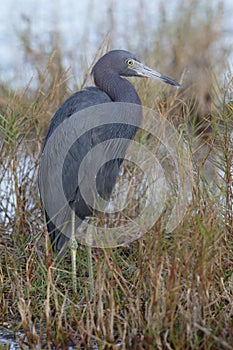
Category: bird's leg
[89,261]
[73,250]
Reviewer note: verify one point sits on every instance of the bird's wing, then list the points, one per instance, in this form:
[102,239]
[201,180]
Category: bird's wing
[80,100]
[77,102]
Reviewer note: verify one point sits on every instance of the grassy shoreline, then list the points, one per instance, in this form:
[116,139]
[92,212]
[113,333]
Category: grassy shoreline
[164,291]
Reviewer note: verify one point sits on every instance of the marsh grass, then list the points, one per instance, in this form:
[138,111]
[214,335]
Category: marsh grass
[164,291]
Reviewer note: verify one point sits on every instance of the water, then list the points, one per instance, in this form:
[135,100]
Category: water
[8,340]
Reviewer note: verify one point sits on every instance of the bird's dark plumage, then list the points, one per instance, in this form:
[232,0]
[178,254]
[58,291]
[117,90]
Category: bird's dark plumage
[108,75]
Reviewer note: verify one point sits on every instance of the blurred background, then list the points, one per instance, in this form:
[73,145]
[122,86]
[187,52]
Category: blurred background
[174,32]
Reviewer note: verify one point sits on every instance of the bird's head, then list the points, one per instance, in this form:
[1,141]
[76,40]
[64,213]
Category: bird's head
[127,64]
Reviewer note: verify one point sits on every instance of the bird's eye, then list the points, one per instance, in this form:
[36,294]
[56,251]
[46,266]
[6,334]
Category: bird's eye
[130,62]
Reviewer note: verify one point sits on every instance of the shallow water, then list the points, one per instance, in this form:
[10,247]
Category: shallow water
[8,340]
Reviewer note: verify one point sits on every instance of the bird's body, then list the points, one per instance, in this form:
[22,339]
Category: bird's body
[110,88]
[107,176]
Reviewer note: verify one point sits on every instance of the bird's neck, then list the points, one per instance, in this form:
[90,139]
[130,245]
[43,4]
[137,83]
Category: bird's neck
[118,88]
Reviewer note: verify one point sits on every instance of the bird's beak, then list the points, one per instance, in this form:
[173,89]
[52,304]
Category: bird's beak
[145,71]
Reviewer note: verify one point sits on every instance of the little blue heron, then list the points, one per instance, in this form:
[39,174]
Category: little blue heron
[108,75]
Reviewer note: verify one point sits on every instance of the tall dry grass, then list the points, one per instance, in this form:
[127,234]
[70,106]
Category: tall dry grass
[165,291]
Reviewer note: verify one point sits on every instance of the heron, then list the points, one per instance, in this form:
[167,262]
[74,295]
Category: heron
[110,75]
